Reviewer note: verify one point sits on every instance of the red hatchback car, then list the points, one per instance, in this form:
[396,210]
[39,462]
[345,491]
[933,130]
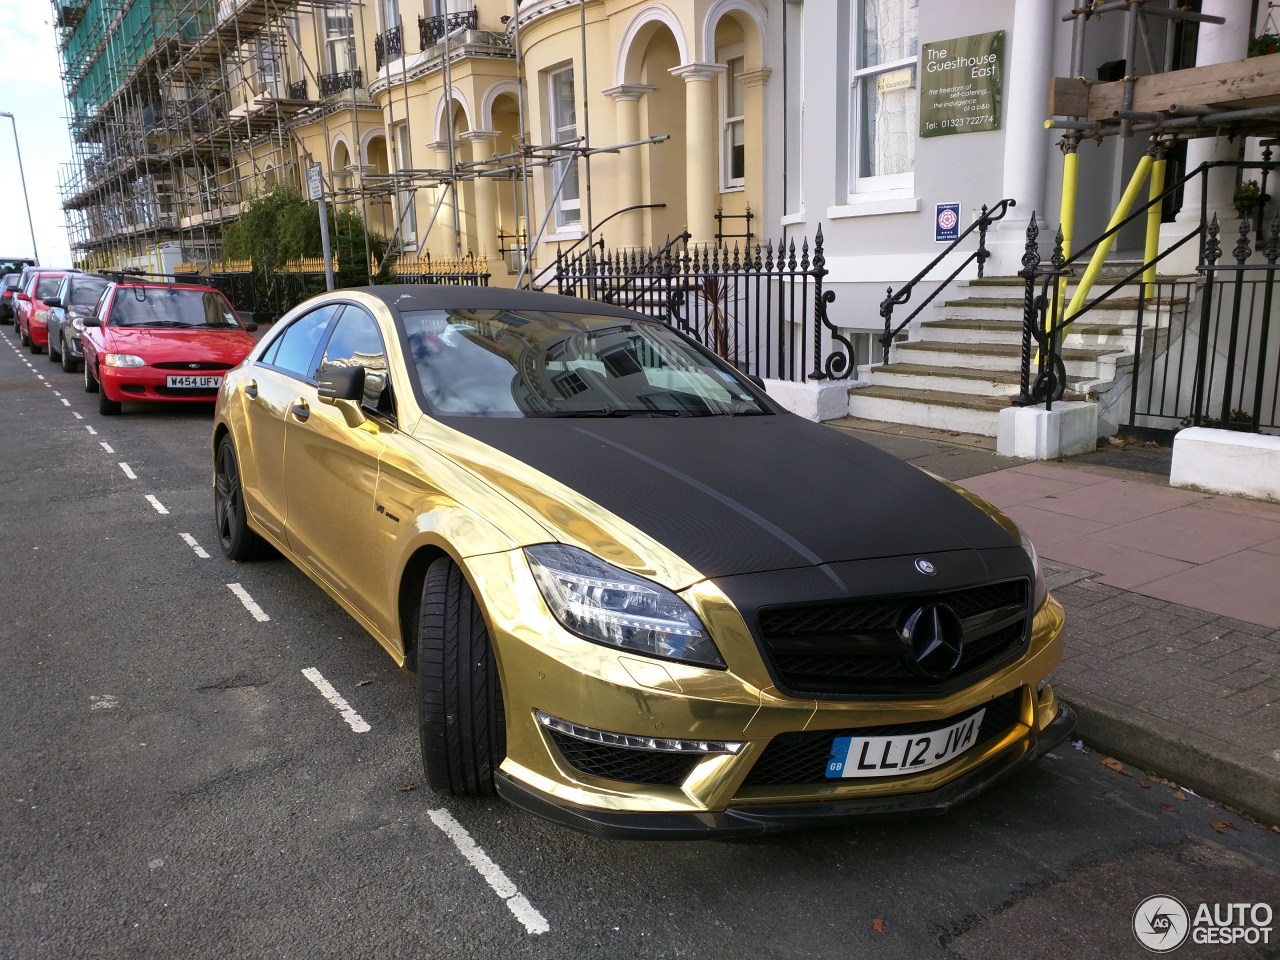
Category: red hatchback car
[169,342]
[31,313]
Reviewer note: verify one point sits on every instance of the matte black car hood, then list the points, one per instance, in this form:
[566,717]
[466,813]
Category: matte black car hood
[737,495]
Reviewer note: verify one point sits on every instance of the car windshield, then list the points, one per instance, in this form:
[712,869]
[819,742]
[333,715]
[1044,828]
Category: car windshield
[14,264]
[47,287]
[85,293]
[171,307]
[500,363]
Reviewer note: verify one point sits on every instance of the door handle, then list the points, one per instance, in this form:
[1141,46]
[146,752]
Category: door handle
[251,389]
[301,411]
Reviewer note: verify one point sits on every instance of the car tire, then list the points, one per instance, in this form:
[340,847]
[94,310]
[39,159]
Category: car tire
[22,335]
[106,406]
[238,542]
[68,361]
[461,721]
[31,345]
[90,384]
[53,357]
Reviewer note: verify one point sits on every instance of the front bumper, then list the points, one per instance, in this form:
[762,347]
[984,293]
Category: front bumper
[147,385]
[545,669]
[740,820]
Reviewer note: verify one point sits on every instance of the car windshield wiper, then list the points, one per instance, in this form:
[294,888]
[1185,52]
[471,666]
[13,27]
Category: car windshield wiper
[612,412]
[160,323]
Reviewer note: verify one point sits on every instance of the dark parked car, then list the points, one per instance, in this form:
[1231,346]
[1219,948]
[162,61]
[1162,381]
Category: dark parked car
[8,287]
[76,301]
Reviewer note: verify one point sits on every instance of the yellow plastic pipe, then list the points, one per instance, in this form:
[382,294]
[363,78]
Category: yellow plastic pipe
[1104,249]
[1152,249]
[1070,183]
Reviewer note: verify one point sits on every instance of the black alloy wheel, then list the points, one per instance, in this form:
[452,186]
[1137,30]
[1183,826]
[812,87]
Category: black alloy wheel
[238,542]
[461,721]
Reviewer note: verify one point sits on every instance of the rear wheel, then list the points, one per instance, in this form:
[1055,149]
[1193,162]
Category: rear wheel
[460,716]
[90,384]
[237,540]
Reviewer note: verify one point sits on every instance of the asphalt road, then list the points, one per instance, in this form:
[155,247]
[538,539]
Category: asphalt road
[174,786]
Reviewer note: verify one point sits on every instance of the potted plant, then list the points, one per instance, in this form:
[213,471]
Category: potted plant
[1263,44]
[1249,198]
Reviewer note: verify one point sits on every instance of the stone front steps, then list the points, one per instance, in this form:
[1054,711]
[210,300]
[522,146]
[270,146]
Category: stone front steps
[963,367]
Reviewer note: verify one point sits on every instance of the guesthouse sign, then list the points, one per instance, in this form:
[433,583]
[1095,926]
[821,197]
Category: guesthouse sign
[960,84]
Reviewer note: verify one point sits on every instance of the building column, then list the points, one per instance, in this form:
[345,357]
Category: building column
[700,147]
[630,229]
[1026,142]
[753,82]
[1217,43]
[444,241]
[485,242]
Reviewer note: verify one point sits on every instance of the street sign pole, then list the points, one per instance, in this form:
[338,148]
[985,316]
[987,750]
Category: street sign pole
[315,190]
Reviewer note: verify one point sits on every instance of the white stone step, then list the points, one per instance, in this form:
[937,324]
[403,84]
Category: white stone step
[939,410]
[1090,363]
[1117,335]
[982,383]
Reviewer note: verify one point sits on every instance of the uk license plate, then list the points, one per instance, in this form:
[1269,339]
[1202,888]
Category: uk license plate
[902,753]
[192,382]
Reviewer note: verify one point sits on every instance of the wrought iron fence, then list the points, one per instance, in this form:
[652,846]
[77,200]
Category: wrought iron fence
[388,46]
[431,30]
[763,308]
[334,83]
[298,91]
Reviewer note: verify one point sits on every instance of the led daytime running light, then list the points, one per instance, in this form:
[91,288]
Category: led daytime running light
[633,742]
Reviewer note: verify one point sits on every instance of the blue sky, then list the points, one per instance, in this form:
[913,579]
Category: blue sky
[31,89]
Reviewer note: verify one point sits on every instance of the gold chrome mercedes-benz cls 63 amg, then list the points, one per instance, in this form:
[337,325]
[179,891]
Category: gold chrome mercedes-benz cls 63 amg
[640,598]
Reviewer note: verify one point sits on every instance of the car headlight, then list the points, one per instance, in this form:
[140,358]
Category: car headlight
[122,360]
[1041,589]
[599,602]
[77,323]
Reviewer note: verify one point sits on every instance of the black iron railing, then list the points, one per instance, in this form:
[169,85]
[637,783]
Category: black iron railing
[388,46]
[762,308]
[334,83]
[1205,351]
[431,30]
[298,91]
[903,294]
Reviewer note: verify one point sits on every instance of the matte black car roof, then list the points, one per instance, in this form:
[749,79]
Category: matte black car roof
[418,296]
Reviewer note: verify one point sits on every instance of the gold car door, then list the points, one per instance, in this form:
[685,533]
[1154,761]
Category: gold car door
[332,470]
[273,383]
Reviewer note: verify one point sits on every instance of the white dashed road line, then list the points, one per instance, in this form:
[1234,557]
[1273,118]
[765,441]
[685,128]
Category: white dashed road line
[128,471]
[39,376]
[356,722]
[87,427]
[160,507]
[248,601]
[66,402]
[516,901]
[76,414]
[106,446]
[193,544]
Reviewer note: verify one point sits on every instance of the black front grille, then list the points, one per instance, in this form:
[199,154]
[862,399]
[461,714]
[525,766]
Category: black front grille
[852,648]
[625,764]
[192,366]
[796,759]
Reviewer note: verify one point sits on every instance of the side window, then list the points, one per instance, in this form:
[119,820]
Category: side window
[294,351]
[356,343]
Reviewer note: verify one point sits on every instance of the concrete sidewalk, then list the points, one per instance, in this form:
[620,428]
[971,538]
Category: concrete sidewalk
[1172,658]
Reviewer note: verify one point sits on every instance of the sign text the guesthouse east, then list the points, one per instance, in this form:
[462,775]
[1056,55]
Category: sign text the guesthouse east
[960,86]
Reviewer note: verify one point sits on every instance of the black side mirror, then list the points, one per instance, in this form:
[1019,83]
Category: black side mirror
[758,381]
[92,321]
[53,302]
[341,383]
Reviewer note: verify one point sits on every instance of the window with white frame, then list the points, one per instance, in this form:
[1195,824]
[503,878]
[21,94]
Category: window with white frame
[733,139]
[270,74]
[405,210]
[339,40]
[563,120]
[390,14]
[883,99]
